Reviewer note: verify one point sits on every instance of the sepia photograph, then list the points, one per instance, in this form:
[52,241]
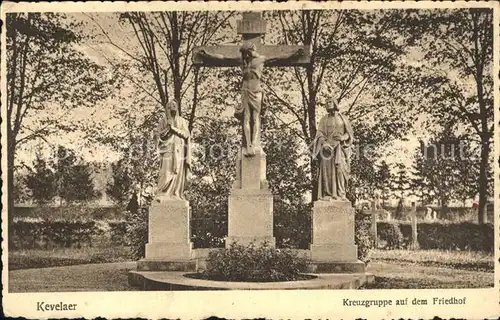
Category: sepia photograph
[296,150]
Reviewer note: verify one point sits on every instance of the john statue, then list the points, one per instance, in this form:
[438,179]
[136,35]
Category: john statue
[332,149]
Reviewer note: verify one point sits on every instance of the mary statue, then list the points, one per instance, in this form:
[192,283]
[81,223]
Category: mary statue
[332,148]
[174,149]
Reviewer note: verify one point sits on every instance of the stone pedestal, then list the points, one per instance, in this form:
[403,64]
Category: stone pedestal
[250,207]
[168,237]
[333,232]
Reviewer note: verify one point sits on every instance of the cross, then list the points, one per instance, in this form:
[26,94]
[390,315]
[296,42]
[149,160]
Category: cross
[252,27]
[374,212]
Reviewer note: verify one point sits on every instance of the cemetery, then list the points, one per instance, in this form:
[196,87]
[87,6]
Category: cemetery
[252,151]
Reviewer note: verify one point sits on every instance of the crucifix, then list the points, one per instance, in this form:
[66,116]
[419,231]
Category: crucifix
[252,56]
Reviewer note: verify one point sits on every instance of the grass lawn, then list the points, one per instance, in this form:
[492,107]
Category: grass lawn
[88,277]
[38,258]
[428,269]
[36,271]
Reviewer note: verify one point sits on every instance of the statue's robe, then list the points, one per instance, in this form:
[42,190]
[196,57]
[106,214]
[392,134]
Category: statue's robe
[334,166]
[175,157]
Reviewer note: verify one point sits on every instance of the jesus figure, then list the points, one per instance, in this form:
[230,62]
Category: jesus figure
[252,65]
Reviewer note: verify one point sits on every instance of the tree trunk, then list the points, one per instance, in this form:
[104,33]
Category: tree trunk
[10,186]
[483,181]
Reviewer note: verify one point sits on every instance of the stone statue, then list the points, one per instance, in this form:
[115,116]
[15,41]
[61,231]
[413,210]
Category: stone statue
[252,65]
[332,148]
[174,149]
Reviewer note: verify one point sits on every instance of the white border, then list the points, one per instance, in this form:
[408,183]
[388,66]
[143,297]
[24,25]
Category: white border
[249,304]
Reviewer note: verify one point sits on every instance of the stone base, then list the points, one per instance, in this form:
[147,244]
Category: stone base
[271,241]
[178,281]
[250,216]
[337,267]
[168,237]
[333,232]
[334,252]
[161,265]
[251,171]
[168,251]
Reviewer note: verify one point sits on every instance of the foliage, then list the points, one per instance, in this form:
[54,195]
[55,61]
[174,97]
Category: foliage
[77,212]
[456,236]
[44,234]
[213,171]
[162,55]
[438,235]
[46,77]
[254,264]
[446,169]
[41,181]
[401,180]
[292,225]
[137,232]
[384,180]
[390,232]
[74,177]
[362,236]
[118,189]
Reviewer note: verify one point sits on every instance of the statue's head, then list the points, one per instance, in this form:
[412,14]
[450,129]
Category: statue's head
[172,107]
[248,50]
[332,105]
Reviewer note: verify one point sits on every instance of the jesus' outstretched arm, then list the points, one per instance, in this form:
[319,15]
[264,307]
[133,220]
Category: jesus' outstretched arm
[203,55]
[288,56]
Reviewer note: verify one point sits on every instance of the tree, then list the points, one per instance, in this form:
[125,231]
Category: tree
[384,178]
[74,177]
[165,42]
[401,180]
[419,183]
[41,181]
[121,185]
[446,169]
[44,71]
[458,43]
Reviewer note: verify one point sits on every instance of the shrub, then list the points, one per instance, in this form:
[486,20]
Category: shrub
[118,232]
[390,232]
[254,263]
[363,237]
[439,235]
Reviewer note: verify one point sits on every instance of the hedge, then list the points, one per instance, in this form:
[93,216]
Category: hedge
[33,234]
[45,234]
[435,235]
[70,212]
